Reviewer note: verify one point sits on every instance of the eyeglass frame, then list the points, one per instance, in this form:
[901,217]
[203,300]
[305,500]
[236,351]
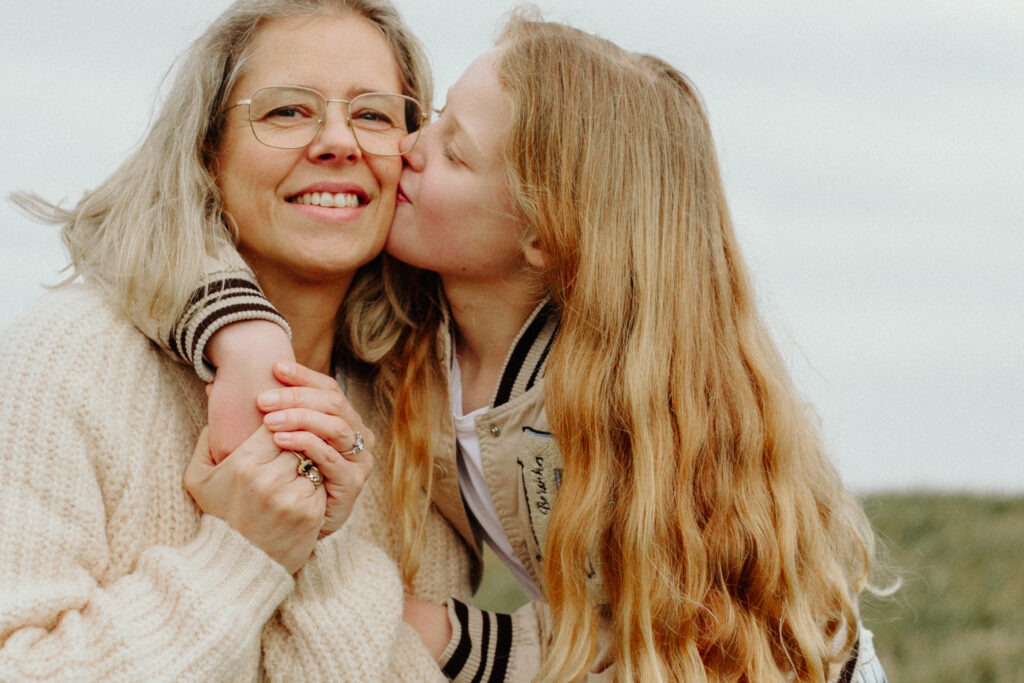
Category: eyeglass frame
[424,117]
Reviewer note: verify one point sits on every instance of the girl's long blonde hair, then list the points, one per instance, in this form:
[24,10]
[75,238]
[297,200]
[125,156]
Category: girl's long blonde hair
[144,234]
[694,473]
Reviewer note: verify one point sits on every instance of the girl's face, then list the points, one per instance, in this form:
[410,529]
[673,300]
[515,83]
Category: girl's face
[285,229]
[454,213]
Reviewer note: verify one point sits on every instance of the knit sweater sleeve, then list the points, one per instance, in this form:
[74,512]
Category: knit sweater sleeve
[347,604]
[82,491]
[343,622]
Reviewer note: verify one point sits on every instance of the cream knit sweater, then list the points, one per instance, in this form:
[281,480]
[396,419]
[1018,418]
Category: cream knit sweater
[108,571]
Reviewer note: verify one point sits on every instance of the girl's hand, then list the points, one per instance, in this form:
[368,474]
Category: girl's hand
[259,492]
[430,620]
[313,415]
[244,354]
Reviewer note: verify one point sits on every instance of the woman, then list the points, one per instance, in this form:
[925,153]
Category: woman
[623,432]
[109,569]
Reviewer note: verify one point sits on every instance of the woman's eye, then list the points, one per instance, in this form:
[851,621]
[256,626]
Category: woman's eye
[288,112]
[373,117]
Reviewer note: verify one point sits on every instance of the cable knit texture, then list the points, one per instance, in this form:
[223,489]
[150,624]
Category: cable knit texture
[108,571]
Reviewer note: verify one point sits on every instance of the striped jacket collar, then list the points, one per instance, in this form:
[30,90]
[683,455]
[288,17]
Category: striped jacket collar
[527,357]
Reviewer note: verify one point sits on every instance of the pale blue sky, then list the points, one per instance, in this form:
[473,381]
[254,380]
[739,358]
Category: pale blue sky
[873,153]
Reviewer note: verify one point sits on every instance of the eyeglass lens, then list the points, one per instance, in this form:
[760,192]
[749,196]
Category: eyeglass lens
[292,117]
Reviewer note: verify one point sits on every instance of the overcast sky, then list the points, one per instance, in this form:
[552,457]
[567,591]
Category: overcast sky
[873,153]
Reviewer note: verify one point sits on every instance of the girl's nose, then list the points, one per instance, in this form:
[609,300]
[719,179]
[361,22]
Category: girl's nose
[414,157]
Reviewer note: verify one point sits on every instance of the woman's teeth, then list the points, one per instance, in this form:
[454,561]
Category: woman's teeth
[340,200]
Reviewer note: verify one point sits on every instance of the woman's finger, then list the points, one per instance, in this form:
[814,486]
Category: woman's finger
[332,429]
[295,374]
[352,445]
[327,402]
[304,475]
[343,477]
[321,451]
[324,400]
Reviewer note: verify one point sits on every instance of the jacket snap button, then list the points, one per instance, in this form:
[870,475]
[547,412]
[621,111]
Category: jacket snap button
[495,430]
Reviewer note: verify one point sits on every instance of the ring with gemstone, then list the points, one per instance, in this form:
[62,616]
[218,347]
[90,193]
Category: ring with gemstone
[357,446]
[306,468]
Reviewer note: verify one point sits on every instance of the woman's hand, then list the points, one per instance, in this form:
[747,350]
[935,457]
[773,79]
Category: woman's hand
[313,415]
[259,492]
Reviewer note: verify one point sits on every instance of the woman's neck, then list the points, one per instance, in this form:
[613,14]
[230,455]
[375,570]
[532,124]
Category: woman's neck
[487,319]
[311,310]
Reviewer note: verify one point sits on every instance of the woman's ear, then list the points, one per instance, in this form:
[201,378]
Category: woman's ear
[535,256]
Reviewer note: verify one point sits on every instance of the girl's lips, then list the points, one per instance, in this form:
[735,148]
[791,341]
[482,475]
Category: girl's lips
[400,196]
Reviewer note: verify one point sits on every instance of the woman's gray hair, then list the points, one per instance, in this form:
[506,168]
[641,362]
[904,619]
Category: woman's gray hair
[144,234]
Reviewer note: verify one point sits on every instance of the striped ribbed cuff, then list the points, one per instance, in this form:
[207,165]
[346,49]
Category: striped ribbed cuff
[228,297]
[481,645]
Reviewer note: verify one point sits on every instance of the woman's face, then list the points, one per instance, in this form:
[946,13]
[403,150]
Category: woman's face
[454,213]
[264,188]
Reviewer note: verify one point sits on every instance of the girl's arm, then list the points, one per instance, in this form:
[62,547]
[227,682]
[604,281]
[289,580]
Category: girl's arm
[231,335]
[227,294]
[244,354]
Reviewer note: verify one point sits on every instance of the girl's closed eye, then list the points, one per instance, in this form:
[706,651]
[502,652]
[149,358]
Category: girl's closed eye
[448,152]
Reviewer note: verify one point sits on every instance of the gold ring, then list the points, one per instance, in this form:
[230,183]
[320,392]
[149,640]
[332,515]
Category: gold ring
[306,468]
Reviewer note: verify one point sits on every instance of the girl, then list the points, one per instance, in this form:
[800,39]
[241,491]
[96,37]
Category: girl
[585,384]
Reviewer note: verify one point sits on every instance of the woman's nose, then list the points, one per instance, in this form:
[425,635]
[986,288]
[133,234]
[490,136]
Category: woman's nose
[335,140]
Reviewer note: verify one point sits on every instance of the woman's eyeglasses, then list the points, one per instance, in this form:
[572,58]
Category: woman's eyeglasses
[290,117]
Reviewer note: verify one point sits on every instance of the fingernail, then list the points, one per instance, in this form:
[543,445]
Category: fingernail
[269,399]
[274,419]
[284,438]
[285,368]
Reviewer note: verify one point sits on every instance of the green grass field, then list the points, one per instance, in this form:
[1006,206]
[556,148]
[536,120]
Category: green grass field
[959,615]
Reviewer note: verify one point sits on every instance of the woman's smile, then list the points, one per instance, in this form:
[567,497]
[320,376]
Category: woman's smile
[330,201]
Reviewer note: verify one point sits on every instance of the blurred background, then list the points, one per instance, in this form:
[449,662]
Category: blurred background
[873,154]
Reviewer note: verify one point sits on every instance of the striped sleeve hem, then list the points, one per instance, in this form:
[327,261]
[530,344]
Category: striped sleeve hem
[226,298]
[481,646]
